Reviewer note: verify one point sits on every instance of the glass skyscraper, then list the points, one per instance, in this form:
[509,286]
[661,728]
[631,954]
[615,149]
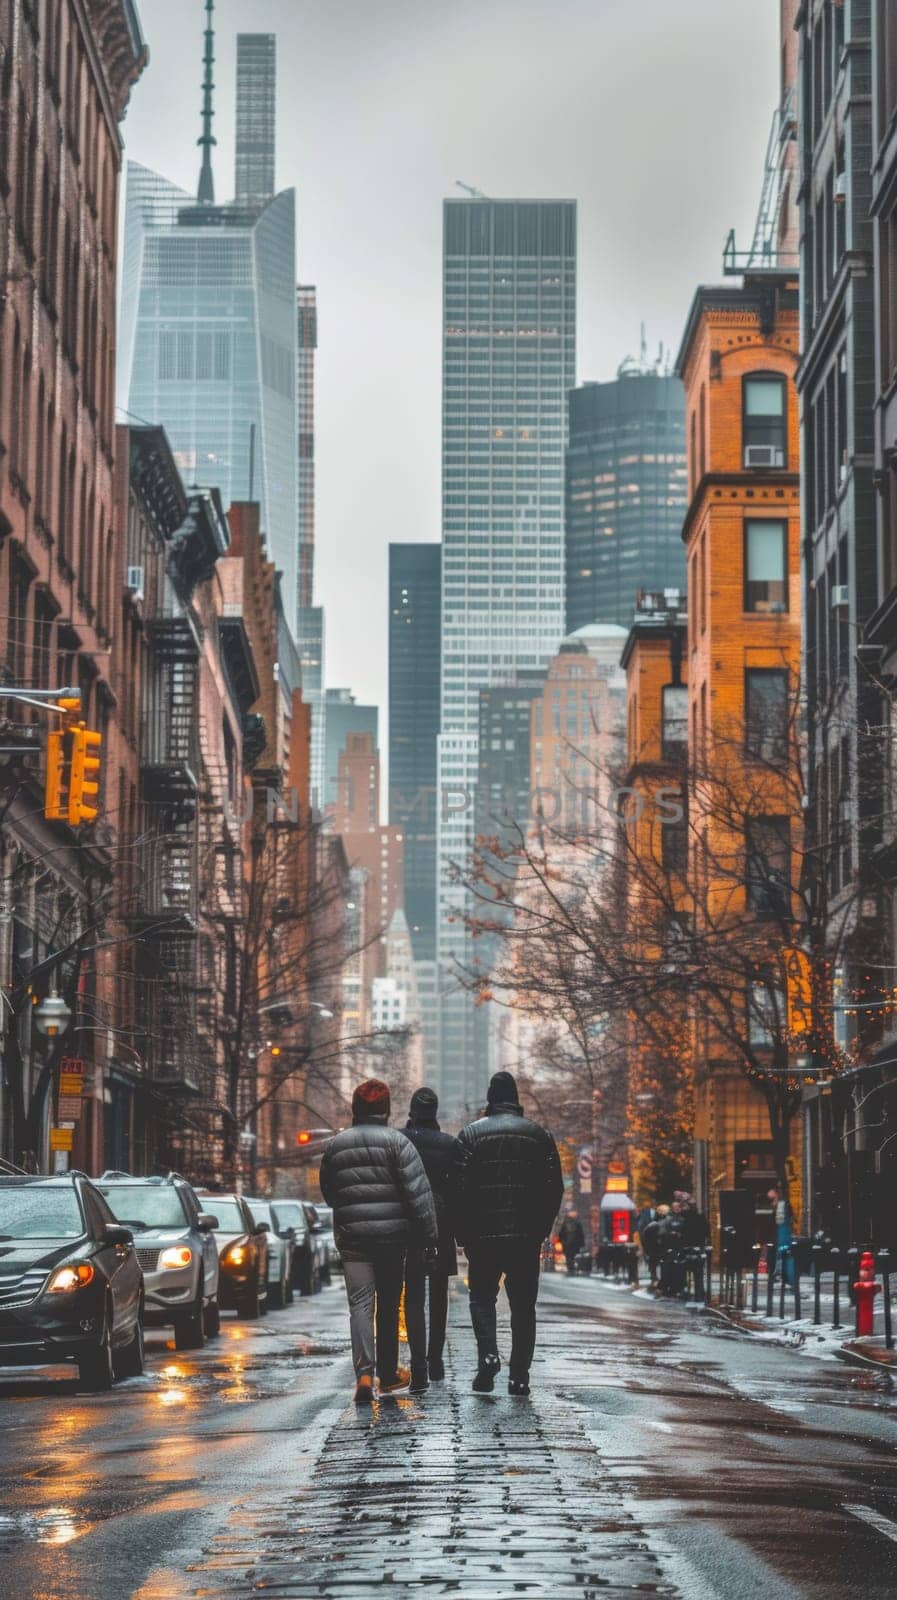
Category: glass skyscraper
[509,352]
[208,332]
[310,618]
[414,663]
[626,495]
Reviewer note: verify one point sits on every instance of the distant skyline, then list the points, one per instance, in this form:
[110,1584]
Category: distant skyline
[382,104]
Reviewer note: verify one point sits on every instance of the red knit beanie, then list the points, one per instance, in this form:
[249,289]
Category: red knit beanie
[371,1099]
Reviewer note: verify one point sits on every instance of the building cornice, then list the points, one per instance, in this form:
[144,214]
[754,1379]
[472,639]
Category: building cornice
[735,480]
[115,27]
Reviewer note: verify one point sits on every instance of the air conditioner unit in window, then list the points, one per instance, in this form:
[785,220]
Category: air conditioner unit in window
[840,597]
[840,191]
[134,582]
[763,455]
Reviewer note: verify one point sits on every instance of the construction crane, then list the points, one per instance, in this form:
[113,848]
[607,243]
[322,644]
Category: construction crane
[475,194]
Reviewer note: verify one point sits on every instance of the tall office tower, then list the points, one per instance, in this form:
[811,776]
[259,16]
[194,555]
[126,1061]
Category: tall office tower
[207,340]
[414,655]
[310,618]
[509,356]
[625,494]
[342,717]
[256,101]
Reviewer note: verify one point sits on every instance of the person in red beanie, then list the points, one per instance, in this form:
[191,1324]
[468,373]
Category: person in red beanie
[382,1203]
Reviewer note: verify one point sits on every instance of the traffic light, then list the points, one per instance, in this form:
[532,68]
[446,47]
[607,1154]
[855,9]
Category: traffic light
[84,787]
[304,1137]
[56,786]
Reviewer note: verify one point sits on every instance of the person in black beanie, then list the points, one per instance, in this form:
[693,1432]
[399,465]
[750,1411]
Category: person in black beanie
[436,1150]
[507,1189]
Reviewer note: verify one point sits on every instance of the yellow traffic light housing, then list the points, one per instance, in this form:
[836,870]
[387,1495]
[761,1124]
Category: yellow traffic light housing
[56,786]
[84,787]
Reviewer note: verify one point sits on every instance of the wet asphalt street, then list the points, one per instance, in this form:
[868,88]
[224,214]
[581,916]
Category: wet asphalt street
[660,1454]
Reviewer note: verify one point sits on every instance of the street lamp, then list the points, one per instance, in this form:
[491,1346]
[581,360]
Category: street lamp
[52,1016]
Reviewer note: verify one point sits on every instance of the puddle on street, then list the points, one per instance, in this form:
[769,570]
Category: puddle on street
[51,1525]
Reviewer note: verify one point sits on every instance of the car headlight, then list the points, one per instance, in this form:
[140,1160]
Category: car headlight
[180,1255]
[75,1276]
[235,1256]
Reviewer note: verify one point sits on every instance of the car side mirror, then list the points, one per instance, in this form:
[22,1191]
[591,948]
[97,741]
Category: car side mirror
[207,1223]
[118,1235]
[262,1227]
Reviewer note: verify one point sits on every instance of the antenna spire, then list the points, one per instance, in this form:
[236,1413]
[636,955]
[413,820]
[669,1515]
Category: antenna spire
[206,191]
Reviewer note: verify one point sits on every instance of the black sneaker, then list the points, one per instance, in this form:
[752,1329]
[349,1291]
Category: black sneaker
[518,1386]
[437,1369]
[419,1382]
[484,1382]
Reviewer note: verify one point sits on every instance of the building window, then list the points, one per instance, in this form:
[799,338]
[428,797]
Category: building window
[674,711]
[766,713]
[764,422]
[768,866]
[765,572]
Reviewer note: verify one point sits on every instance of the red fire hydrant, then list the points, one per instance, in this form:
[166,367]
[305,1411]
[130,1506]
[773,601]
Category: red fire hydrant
[865,1290]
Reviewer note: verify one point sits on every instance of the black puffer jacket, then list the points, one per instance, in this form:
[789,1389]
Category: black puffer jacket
[381,1197]
[507,1179]
[437,1152]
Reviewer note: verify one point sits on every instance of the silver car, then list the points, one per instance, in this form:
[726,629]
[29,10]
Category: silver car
[176,1248]
[280,1253]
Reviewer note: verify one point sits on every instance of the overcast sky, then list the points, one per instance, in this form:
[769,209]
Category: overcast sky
[653,115]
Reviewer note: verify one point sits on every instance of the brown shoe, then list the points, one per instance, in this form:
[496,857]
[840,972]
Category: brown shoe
[400,1381]
[364,1390]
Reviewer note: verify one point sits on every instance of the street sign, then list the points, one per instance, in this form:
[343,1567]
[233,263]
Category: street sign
[71,1083]
[584,1165]
[72,1064]
[62,1138]
[618,1167]
[585,1184]
[69,1108]
[799,991]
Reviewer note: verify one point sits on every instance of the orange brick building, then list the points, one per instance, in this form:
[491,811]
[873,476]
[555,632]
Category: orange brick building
[660,1082]
[738,360]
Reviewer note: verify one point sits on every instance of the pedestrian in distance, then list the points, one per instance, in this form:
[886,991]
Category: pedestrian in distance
[507,1190]
[427,1281]
[650,1238]
[382,1203]
[572,1238]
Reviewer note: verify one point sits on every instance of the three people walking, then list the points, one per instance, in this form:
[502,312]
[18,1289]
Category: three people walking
[400,1200]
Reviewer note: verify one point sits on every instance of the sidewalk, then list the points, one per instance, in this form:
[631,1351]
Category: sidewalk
[817,1339]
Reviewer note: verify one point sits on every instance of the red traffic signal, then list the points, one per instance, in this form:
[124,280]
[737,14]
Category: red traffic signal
[303,1137]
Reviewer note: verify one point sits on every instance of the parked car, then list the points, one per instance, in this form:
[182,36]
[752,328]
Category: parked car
[322,1238]
[242,1254]
[71,1287]
[306,1270]
[176,1249]
[280,1253]
[326,1236]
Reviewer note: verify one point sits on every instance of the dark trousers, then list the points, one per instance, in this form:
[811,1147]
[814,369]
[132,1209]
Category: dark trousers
[425,1346]
[376,1280]
[518,1262]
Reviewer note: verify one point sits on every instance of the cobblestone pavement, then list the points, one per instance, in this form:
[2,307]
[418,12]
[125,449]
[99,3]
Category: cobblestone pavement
[454,1493]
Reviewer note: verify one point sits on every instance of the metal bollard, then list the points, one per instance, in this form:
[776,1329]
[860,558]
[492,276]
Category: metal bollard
[884,1263]
[783,1281]
[755,1286]
[835,1256]
[796,1263]
[771,1259]
[698,1274]
[633,1265]
[853,1268]
[817,1283]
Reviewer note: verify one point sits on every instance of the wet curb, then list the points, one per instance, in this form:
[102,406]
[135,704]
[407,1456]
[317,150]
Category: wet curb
[844,1352]
[860,1358]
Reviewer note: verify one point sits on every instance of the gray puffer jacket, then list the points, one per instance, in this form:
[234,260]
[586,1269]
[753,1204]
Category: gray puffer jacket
[374,1179]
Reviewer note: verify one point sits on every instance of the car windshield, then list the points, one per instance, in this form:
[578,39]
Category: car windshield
[230,1217]
[145,1205]
[35,1211]
[290,1214]
[259,1210]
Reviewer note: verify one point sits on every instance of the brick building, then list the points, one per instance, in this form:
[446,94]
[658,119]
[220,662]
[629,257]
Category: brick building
[66,72]
[742,535]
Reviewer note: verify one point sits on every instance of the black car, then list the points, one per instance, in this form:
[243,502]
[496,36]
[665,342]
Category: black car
[71,1287]
[242,1254]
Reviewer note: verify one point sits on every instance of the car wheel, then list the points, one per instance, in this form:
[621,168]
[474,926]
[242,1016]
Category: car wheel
[305,1277]
[129,1362]
[275,1296]
[95,1369]
[290,1293]
[212,1319]
[327,1275]
[189,1331]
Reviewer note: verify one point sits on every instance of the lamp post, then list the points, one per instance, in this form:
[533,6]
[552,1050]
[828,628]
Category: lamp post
[52,1016]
